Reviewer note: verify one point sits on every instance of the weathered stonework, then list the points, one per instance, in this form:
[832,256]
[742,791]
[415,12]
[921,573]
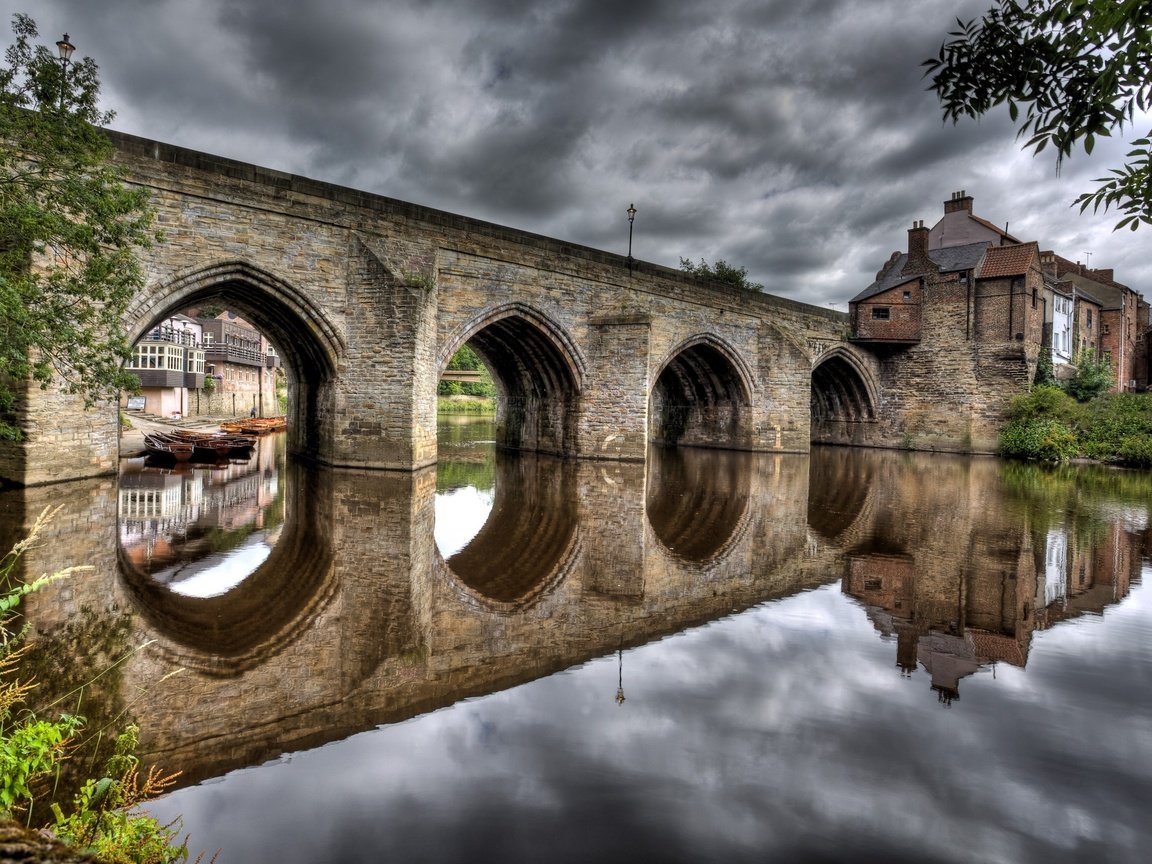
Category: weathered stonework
[366,298]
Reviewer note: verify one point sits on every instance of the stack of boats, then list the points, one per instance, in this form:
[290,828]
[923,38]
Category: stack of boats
[255,425]
[182,445]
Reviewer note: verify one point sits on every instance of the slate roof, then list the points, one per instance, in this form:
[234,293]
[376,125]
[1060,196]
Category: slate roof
[1003,261]
[949,260]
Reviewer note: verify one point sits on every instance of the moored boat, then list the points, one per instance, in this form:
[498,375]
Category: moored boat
[168,448]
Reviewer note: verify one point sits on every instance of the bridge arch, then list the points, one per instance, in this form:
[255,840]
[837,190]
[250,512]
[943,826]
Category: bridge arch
[844,398]
[702,396]
[308,342]
[538,372]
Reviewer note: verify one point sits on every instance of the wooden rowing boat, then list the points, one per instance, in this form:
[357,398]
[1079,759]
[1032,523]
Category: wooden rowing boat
[218,445]
[165,447]
[255,425]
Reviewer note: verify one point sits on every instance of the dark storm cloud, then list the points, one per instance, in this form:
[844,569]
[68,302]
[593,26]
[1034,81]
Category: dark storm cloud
[796,139]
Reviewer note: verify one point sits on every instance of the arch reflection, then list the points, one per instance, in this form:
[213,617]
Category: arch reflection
[529,540]
[262,610]
[697,500]
[839,483]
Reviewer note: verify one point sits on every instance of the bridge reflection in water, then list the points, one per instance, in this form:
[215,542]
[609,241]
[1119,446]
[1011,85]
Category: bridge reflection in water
[355,618]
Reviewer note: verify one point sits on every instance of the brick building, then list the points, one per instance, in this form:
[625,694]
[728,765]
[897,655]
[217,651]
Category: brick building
[1122,318]
[243,364]
[960,320]
[178,356]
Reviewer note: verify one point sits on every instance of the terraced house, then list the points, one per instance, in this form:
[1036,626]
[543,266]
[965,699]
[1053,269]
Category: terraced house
[960,320]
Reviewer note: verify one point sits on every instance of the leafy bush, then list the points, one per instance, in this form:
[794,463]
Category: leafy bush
[1045,400]
[1040,438]
[1136,450]
[1093,377]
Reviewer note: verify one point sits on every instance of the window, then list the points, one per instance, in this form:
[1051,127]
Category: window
[153,356]
[881,313]
[1034,298]
[1089,325]
[907,295]
[1107,329]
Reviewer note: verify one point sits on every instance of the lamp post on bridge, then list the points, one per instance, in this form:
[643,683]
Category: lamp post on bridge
[631,219]
[65,48]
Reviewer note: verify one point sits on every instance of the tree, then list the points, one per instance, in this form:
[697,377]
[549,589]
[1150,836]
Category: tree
[721,271]
[1070,71]
[69,230]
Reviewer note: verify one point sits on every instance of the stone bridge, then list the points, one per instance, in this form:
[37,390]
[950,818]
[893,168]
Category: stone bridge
[367,298]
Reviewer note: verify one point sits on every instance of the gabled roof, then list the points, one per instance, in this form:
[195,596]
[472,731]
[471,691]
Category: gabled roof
[1015,260]
[947,260]
[1005,237]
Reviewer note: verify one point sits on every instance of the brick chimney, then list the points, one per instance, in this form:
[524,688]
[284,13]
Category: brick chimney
[918,261]
[960,201]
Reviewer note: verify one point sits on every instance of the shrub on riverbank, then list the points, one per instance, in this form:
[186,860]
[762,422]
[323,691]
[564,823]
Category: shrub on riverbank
[1050,426]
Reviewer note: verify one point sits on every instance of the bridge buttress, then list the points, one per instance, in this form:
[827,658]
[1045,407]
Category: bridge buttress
[614,400]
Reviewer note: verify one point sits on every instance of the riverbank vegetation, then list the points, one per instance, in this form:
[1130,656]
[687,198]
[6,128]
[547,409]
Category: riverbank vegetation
[1048,425]
[467,397]
[102,817]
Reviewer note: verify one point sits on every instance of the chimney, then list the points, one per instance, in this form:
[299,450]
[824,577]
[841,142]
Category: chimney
[918,261]
[960,201]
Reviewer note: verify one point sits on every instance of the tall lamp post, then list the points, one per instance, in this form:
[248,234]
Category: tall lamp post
[65,48]
[631,219]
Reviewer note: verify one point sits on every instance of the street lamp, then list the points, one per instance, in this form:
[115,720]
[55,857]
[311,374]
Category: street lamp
[65,48]
[631,219]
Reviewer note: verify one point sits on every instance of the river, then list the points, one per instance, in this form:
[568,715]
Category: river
[713,656]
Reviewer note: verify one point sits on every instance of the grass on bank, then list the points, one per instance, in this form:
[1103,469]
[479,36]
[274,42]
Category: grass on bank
[465,405]
[1048,425]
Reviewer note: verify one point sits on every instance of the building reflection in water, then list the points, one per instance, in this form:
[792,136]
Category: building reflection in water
[197,528]
[962,579]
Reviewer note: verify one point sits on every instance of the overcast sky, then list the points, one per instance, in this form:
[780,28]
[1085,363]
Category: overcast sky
[794,137]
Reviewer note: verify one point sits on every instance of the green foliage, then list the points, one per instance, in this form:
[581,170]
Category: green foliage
[721,271]
[466,405]
[1113,427]
[69,231]
[1045,374]
[1117,426]
[467,360]
[414,279]
[29,750]
[1046,400]
[1042,439]
[209,383]
[103,821]
[1069,71]
[1093,377]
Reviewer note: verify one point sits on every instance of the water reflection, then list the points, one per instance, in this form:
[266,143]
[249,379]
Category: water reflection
[227,561]
[903,578]
[202,529]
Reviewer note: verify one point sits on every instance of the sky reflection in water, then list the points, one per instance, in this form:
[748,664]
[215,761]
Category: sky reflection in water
[787,732]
